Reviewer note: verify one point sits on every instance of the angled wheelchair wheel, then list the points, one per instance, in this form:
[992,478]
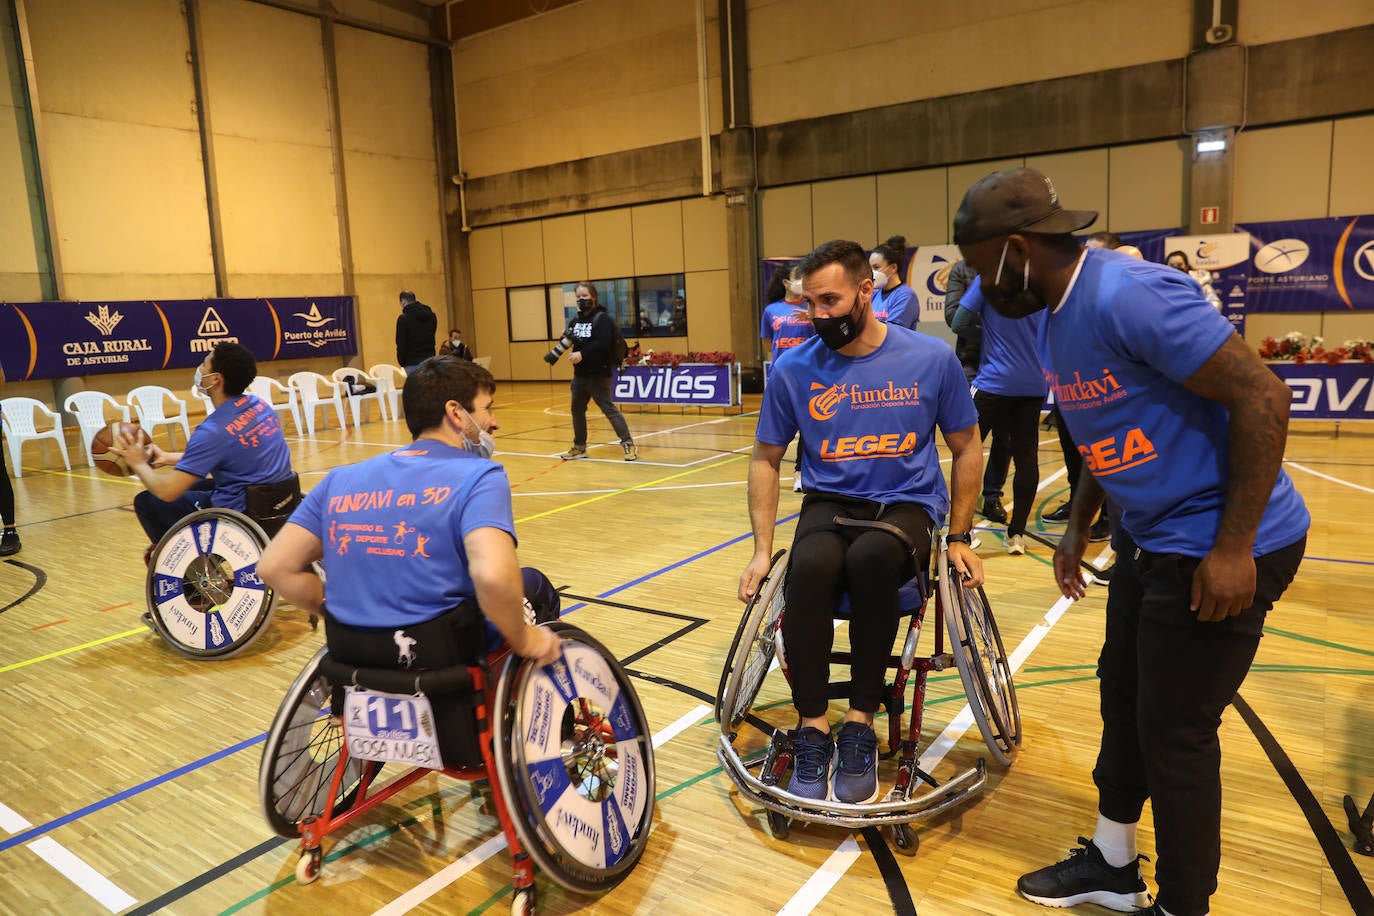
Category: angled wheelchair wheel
[204,594]
[751,652]
[575,763]
[983,666]
[301,753]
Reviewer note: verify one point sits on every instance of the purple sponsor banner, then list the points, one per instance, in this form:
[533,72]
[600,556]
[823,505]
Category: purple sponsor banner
[58,339]
[691,384]
[1344,391]
[1311,265]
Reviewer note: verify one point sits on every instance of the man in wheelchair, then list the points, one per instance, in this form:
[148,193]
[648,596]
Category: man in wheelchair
[236,459]
[866,398]
[421,534]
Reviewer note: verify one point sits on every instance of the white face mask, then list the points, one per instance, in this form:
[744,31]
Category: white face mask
[196,384]
[793,286]
[484,447]
[879,278]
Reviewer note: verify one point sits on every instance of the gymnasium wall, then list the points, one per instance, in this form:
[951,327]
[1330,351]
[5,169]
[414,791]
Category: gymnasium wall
[127,179]
[680,236]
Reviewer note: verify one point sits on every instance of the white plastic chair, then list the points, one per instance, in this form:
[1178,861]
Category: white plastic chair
[89,407]
[357,402]
[149,402]
[309,386]
[21,426]
[279,396]
[390,379]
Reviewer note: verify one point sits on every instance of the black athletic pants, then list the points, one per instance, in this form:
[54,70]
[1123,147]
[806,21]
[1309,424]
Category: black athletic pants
[1165,681]
[1019,418]
[871,566]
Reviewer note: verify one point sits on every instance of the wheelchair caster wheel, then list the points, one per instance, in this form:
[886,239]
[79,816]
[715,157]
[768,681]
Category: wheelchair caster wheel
[905,839]
[780,825]
[308,866]
[524,902]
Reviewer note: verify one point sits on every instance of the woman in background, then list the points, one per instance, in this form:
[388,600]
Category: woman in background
[893,301]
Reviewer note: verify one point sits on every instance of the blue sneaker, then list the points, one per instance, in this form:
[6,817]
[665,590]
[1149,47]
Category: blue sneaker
[856,778]
[811,768]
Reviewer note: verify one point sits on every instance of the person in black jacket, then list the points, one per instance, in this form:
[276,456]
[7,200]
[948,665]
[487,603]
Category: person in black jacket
[415,329]
[592,334]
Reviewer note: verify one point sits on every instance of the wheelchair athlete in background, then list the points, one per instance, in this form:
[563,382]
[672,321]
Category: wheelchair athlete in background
[866,398]
[413,535]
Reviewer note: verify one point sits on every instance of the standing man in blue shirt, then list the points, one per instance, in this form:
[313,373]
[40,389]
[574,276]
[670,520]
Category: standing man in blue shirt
[9,538]
[1008,391]
[867,398]
[1183,426]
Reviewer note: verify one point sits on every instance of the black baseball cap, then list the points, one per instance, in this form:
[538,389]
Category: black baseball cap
[1014,200]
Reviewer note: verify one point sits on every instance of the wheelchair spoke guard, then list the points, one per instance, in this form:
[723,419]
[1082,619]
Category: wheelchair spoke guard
[982,663]
[576,764]
[301,753]
[751,653]
[204,594]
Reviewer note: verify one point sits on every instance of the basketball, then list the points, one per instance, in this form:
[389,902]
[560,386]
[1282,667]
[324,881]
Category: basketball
[108,462]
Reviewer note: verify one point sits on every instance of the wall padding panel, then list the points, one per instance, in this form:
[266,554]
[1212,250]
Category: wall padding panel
[785,218]
[708,311]
[845,209]
[1352,153]
[703,234]
[1147,186]
[657,230]
[486,257]
[1283,172]
[565,248]
[523,248]
[915,205]
[610,245]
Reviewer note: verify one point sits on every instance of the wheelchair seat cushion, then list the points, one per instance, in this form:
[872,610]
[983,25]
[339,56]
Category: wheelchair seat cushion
[910,597]
[453,638]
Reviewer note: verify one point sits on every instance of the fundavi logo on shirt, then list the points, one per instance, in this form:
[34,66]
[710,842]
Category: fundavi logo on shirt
[823,404]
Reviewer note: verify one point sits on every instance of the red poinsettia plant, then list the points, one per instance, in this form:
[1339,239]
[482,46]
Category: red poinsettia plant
[1302,350]
[640,357]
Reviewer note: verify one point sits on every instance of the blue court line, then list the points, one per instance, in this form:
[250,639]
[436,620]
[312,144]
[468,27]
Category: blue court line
[35,832]
[672,566]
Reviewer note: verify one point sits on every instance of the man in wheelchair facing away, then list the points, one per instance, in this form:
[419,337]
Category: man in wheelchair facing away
[866,398]
[414,541]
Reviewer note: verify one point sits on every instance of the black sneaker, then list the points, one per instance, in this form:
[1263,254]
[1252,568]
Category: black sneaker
[1059,516]
[993,511]
[9,543]
[1085,877]
[1100,531]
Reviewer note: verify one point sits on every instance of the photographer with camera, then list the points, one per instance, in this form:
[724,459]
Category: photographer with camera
[591,336]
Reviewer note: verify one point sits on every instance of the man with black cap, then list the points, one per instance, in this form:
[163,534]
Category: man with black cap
[1184,427]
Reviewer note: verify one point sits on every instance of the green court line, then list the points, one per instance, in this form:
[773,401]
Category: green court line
[1314,641]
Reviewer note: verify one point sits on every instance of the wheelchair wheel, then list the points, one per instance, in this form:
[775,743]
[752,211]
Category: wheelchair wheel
[983,667]
[204,594]
[575,763]
[751,653]
[300,755]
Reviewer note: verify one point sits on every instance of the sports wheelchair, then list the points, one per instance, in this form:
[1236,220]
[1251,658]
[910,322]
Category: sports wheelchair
[975,650]
[205,598]
[565,750]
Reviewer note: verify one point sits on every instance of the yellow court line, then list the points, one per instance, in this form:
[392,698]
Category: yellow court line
[84,645]
[94,475]
[638,486]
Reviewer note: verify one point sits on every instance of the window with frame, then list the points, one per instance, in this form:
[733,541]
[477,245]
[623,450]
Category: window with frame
[651,306]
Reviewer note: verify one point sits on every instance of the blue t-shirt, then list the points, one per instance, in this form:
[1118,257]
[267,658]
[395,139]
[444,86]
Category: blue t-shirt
[393,527]
[241,443]
[868,424]
[1118,348]
[897,306]
[786,325]
[1009,363]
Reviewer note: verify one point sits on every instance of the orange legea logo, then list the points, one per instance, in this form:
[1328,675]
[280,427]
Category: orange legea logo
[823,406]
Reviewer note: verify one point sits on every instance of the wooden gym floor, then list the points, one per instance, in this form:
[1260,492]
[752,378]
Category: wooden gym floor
[129,781]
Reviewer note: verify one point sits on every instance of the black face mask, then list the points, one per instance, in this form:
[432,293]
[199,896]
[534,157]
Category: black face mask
[841,330]
[1017,302]
[584,305]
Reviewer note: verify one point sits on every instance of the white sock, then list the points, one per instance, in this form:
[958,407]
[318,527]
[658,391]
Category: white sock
[1116,841]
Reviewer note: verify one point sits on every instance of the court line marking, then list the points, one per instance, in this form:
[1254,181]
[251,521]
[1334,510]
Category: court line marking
[451,873]
[68,865]
[61,652]
[810,894]
[1353,486]
[638,486]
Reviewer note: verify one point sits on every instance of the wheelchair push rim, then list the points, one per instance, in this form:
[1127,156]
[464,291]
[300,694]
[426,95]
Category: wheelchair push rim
[204,594]
[752,651]
[983,667]
[301,754]
[575,761]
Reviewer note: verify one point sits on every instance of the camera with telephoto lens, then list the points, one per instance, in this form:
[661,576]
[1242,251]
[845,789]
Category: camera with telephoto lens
[559,349]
